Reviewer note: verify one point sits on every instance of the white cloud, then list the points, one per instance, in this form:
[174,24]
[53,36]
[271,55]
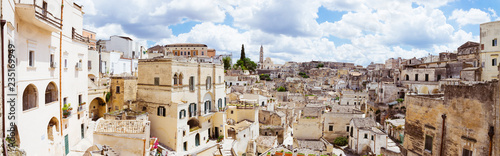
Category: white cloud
[473,16]
[150,20]
[376,29]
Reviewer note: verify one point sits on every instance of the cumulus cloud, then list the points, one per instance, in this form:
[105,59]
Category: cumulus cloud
[150,20]
[473,16]
[376,29]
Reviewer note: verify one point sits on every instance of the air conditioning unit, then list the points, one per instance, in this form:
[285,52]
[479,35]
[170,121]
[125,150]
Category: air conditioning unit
[53,65]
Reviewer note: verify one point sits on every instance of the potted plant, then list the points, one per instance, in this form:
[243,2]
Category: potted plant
[301,154]
[288,154]
[67,110]
[279,153]
[220,138]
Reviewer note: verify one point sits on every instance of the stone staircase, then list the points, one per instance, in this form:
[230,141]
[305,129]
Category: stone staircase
[227,146]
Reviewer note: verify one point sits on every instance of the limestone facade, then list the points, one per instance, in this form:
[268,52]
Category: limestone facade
[183,97]
[464,119]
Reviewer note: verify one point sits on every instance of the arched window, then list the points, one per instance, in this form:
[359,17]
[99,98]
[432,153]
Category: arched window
[192,109]
[407,77]
[220,103]
[161,111]
[50,93]
[209,82]
[175,79]
[180,79]
[208,106]
[30,97]
[182,114]
[197,139]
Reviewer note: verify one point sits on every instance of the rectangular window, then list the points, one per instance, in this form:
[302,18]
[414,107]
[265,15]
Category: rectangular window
[372,137]
[80,99]
[466,152]
[90,64]
[494,42]
[65,63]
[157,81]
[416,77]
[118,89]
[51,59]
[428,143]
[439,77]
[347,128]
[330,128]
[366,136]
[191,83]
[31,58]
[426,77]
[65,100]
[493,62]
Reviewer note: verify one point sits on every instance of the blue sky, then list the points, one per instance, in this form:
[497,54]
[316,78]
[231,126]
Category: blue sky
[358,31]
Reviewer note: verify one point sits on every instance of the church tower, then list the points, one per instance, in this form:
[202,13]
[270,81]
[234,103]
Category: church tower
[261,59]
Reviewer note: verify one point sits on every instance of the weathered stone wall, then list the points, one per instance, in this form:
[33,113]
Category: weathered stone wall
[470,112]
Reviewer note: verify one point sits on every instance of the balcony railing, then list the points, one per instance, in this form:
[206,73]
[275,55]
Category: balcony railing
[45,15]
[79,37]
[81,108]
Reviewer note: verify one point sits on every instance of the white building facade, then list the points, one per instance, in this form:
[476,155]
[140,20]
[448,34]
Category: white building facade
[46,72]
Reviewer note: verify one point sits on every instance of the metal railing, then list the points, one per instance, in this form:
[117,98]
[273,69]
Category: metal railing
[78,37]
[45,15]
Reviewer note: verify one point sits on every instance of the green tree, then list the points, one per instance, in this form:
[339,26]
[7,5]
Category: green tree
[227,62]
[340,141]
[319,65]
[264,76]
[246,64]
[281,89]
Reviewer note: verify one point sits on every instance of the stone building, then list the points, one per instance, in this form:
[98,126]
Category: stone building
[490,50]
[273,124]
[365,138]
[462,121]
[156,51]
[469,53]
[183,97]
[187,49]
[123,91]
[242,128]
[336,121]
[357,99]
[126,137]
[49,53]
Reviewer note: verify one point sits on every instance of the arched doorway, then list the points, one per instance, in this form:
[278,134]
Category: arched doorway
[197,139]
[52,128]
[97,108]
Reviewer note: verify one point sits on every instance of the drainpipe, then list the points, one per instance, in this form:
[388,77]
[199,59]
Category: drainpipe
[60,72]
[491,132]
[442,134]
[2,22]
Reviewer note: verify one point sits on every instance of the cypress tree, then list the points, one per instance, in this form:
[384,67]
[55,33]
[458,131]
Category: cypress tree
[242,55]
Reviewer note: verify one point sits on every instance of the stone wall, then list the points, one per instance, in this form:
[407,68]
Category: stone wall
[470,112]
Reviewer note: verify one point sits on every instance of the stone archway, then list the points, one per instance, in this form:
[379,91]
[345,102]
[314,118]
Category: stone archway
[97,108]
[52,128]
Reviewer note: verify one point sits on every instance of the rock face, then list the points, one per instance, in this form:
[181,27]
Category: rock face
[465,114]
